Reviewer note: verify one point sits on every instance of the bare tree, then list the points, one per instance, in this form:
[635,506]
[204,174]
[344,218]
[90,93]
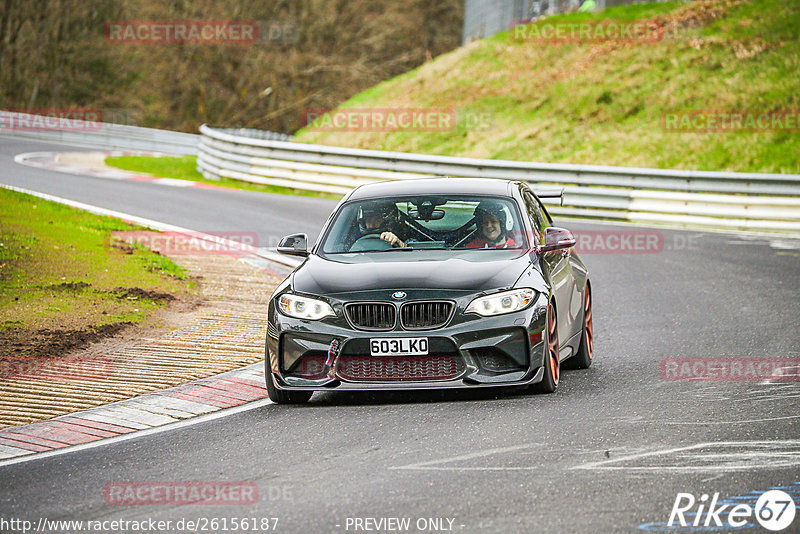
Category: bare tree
[53,53]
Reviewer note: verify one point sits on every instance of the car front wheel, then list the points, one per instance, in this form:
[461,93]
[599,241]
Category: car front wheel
[552,365]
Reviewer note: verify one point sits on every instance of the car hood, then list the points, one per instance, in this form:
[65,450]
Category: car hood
[475,271]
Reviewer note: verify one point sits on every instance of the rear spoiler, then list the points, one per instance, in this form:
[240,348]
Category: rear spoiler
[549,192]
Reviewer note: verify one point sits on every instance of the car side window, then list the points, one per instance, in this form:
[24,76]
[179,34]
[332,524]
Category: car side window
[535,214]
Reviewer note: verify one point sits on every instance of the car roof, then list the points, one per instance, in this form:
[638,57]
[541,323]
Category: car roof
[432,186]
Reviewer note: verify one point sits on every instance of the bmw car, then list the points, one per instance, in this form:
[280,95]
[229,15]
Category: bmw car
[431,283]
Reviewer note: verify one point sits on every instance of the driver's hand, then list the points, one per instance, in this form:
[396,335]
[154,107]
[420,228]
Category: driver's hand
[392,239]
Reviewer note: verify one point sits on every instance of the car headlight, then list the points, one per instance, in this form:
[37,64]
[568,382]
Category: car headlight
[304,307]
[500,303]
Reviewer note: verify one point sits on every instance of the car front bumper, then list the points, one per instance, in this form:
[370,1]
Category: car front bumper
[505,350]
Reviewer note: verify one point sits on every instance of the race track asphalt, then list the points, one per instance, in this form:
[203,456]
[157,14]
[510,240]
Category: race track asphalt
[609,452]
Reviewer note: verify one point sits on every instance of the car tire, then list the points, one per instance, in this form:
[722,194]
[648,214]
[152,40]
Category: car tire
[552,366]
[278,396]
[583,358]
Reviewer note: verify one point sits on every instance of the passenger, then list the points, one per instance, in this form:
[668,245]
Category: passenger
[490,219]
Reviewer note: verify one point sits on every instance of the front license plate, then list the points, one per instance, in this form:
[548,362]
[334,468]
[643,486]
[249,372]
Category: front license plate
[399,346]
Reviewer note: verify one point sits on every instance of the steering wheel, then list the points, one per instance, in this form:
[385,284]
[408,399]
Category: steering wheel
[369,242]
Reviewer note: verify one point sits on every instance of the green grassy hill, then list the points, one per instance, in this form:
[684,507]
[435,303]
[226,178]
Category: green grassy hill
[603,102]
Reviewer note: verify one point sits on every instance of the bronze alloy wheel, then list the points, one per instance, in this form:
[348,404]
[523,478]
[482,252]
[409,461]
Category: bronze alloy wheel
[587,323]
[552,344]
[583,358]
[551,364]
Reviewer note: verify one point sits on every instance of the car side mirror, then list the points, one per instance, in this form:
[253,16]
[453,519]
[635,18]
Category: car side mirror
[294,245]
[556,239]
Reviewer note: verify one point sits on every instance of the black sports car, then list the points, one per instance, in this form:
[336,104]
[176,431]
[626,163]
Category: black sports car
[433,283]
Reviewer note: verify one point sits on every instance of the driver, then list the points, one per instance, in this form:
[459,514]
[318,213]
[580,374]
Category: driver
[381,218]
[490,218]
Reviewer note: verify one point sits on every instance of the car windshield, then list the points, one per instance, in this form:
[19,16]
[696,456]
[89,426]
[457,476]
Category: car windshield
[425,222]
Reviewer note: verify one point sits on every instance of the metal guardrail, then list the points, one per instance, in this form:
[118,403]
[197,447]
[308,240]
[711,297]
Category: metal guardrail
[748,201]
[252,133]
[695,198]
[97,134]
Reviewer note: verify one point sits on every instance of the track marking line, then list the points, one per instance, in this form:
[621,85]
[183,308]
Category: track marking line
[429,465]
[740,422]
[761,455]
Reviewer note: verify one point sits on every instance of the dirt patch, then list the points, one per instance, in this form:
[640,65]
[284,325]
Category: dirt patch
[18,342]
[135,293]
[53,343]
[125,248]
[69,286]
[130,293]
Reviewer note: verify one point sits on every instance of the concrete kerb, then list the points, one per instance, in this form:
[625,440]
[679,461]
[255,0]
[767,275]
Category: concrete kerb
[194,402]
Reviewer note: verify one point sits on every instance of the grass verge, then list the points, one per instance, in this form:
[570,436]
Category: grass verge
[64,283]
[185,168]
[604,102]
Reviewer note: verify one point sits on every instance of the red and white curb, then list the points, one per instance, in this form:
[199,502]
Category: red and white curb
[49,161]
[166,407]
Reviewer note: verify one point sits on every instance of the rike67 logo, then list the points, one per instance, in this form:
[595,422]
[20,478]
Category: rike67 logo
[774,510]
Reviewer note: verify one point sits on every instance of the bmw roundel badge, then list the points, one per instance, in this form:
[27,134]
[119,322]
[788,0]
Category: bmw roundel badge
[399,295]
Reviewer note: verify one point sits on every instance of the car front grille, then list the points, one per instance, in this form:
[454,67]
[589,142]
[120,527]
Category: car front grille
[366,368]
[425,315]
[372,315]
